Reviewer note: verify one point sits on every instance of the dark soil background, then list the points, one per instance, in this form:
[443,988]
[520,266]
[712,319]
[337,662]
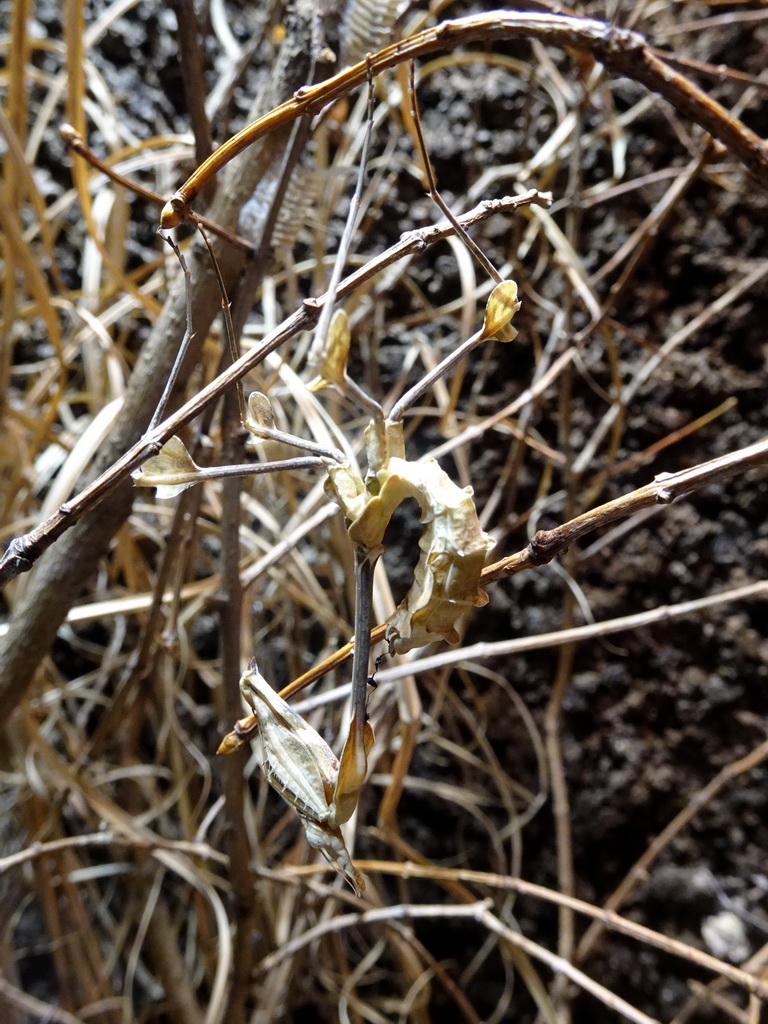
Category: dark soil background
[648,717]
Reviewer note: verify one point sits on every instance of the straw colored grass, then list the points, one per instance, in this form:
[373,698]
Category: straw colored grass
[143,878]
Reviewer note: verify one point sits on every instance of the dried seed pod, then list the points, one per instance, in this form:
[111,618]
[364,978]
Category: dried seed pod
[260,409]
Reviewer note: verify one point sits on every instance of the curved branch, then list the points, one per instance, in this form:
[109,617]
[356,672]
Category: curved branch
[620,50]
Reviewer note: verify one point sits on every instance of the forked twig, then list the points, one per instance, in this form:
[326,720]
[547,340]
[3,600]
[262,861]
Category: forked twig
[622,51]
[665,488]
[24,551]
[76,144]
[506,290]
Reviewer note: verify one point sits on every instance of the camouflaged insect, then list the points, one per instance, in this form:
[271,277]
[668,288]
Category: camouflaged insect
[300,765]
[454,549]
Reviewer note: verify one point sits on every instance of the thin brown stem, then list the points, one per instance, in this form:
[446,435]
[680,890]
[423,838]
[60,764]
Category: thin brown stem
[170,383]
[226,313]
[666,488]
[76,144]
[365,565]
[235,789]
[445,366]
[191,58]
[24,551]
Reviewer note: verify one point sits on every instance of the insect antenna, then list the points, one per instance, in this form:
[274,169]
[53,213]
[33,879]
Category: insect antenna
[188,333]
[229,327]
[434,195]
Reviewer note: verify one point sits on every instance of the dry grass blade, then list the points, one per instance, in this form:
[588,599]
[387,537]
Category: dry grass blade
[551,827]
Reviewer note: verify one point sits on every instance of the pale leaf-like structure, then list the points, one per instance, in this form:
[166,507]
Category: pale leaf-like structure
[300,765]
[453,546]
[501,306]
[171,471]
[332,368]
[260,410]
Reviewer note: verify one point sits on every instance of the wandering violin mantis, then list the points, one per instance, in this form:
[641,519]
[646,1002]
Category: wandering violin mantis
[453,547]
[297,762]
[446,585]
